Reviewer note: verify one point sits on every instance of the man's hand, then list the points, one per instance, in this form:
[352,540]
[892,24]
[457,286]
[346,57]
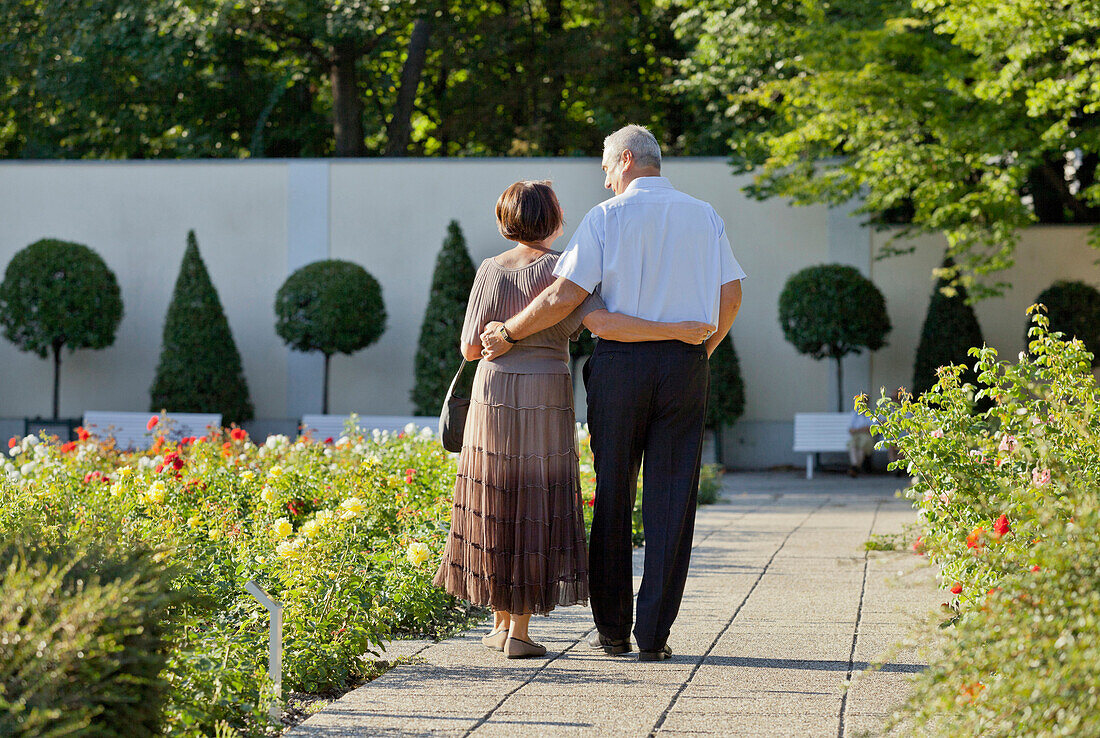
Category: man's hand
[692,332]
[493,344]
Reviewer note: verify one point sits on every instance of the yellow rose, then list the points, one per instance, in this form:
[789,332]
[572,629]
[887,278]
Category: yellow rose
[215,534]
[352,507]
[289,549]
[282,528]
[194,521]
[247,475]
[116,489]
[124,472]
[268,495]
[155,493]
[275,472]
[418,553]
[311,528]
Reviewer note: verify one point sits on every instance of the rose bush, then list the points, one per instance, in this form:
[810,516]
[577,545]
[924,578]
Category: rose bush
[345,535]
[1008,509]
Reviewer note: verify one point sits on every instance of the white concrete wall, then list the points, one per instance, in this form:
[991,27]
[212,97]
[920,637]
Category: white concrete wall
[136,216]
[257,221]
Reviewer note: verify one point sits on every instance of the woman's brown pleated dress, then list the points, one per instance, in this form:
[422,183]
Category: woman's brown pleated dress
[517,540]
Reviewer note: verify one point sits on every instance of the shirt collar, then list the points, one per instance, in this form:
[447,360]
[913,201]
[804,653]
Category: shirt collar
[649,183]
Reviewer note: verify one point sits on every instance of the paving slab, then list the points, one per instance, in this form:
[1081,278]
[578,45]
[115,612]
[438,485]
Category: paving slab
[784,620]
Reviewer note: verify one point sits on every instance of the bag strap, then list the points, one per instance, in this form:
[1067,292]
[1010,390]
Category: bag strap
[454,382]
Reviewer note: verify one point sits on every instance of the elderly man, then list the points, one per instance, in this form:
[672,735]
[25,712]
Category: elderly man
[658,254]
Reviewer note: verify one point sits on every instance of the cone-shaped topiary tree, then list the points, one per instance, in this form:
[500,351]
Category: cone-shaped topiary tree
[200,367]
[331,306]
[726,402]
[437,356]
[1073,309]
[57,294]
[950,330]
[830,311]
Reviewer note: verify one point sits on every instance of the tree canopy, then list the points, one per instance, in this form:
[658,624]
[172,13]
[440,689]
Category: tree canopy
[962,117]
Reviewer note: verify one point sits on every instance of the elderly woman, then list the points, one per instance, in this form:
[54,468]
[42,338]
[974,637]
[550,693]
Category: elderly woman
[517,539]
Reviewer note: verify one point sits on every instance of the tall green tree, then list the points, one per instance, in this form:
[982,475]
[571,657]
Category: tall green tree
[950,330]
[57,294]
[200,367]
[971,119]
[437,351]
[331,306]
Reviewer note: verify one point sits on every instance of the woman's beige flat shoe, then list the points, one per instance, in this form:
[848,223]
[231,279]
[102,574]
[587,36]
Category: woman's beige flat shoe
[495,640]
[517,648]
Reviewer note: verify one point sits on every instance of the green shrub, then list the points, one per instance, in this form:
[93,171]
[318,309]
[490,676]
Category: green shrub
[57,294]
[830,311]
[1008,502]
[710,483]
[1074,309]
[200,368]
[84,644]
[950,329]
[437,356]
[331,306]
[726,401]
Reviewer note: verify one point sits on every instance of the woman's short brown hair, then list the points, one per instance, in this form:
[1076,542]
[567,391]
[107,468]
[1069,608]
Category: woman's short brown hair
[528,212]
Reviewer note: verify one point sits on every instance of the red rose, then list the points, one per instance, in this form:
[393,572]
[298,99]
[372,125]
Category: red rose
[13,442]
[591,503]
[152,423]
[974,540]
[67,447]
[159,468]
[918,545]
[328,440]
[956,588]
[1001,527]
[409,474]
[1036,568]
[82,434]
[238,434]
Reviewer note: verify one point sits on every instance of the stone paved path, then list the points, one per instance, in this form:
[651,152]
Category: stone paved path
[783,607]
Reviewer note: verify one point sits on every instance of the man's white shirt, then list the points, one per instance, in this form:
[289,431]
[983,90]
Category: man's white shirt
[654,253]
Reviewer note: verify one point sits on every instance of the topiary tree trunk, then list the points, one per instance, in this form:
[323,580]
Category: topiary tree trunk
[200,366]
[726,401]
[950,329]
[437,357]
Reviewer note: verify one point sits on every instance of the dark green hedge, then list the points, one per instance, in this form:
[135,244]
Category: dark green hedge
[950,329]
[1074,309]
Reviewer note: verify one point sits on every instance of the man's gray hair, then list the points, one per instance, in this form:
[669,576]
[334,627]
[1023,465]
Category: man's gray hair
[635,139]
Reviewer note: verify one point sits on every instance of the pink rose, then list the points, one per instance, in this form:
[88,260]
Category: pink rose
[938,433]
[1040,477]
[1008,444]
[929,495]
[945,498]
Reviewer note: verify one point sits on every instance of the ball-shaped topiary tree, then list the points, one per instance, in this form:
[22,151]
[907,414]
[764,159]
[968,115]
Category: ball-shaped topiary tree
[331,306]
[726,401]
[1073,309]
[950,329]
[437,356]
[200,367]
[830,311]
[57,294]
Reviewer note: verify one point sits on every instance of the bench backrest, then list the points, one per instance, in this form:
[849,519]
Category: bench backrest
[130,430]
[321,427]
[821,431]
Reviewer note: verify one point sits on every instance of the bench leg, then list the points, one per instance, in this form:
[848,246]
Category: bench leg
[809,466]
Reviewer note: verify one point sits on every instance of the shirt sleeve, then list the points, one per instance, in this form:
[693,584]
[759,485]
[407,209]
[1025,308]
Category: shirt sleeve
[591,303]
[582,262]
[731,271]
[477,309]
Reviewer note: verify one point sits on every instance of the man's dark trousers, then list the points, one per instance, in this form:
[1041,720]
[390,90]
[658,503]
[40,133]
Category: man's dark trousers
[645,401]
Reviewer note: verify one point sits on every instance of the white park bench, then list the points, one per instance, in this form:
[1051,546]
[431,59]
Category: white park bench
[130,430]
[816,433]
[320,427]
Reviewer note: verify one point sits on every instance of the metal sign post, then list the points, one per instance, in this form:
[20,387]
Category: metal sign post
[275,645]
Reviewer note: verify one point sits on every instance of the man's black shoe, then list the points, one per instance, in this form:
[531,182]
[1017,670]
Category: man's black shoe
[610,646]
[659,655]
